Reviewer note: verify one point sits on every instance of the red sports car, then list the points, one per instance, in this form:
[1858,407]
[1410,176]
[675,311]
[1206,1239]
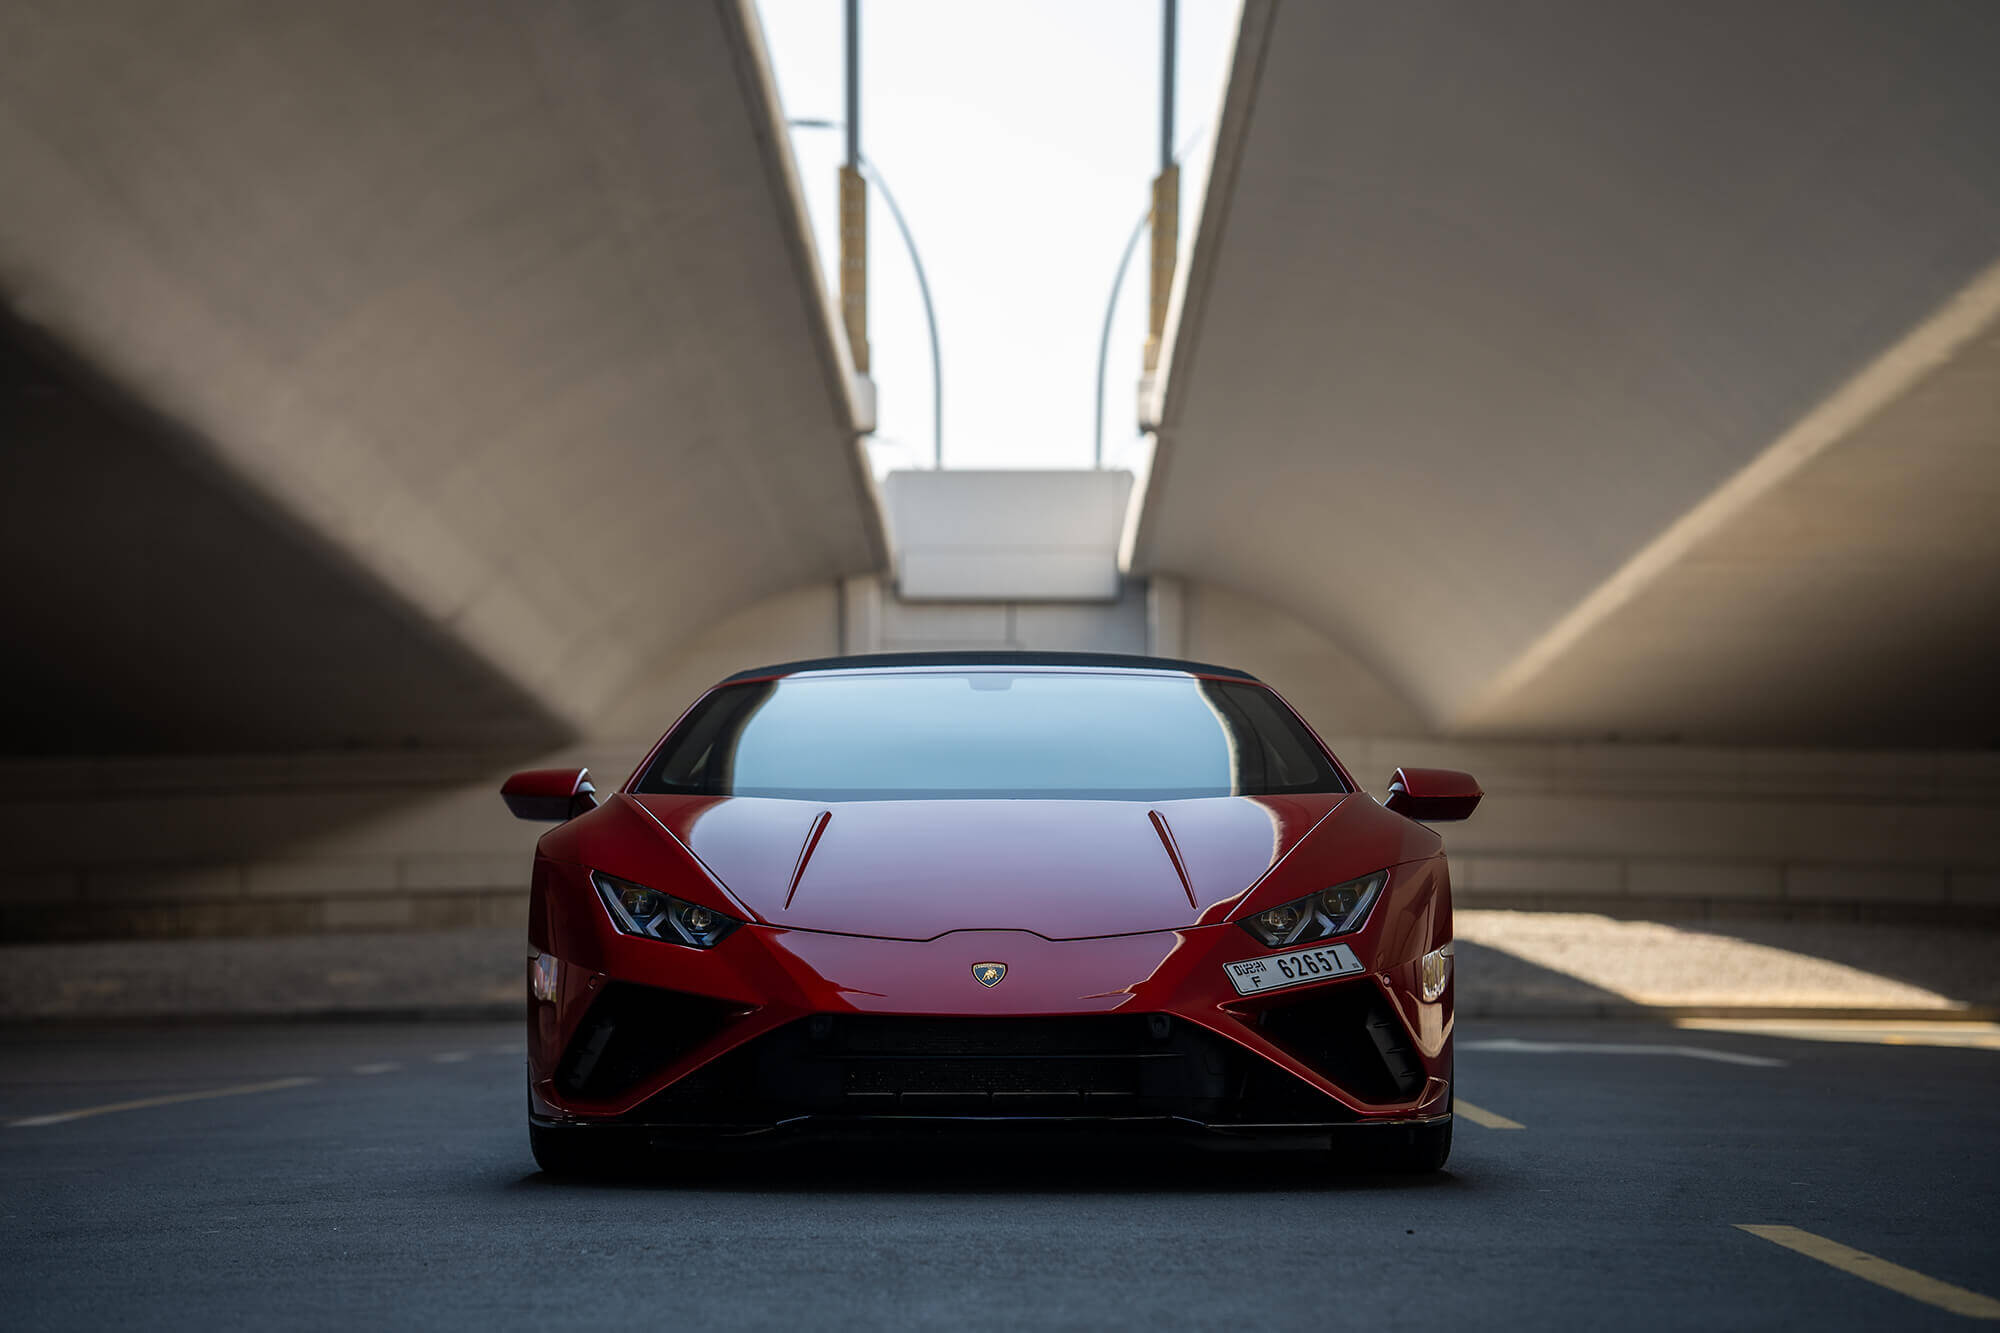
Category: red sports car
[910,889]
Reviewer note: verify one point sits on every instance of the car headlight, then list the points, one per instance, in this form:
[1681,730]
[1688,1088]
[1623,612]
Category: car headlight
[638,910]
[1318,916]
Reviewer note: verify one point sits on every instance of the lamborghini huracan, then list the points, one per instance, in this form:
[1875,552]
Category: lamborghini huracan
[947,890]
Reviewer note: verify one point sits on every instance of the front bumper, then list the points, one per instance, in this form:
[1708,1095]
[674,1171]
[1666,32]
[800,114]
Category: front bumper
[777,1029]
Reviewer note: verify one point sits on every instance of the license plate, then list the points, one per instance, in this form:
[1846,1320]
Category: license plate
[1276,971]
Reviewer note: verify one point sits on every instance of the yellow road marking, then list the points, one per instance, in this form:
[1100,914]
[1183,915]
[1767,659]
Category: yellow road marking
[1479,1115]
[1881,1272]
[240,1089]
[1884,1032]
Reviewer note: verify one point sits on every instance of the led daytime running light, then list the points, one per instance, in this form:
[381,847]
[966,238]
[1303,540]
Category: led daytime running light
[1340,910]
[638,910]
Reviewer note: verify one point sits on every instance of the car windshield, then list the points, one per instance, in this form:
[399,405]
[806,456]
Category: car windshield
[991,734]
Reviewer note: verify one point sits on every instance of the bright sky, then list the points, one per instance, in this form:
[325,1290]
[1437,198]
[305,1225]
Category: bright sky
[1020,140]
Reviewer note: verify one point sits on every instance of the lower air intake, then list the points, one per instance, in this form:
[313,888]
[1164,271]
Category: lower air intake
[1103,1065]
[1349,1034]
[631,1033]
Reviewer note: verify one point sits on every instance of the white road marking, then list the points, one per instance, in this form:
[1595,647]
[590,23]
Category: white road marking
[385,1067]
[239,1090]
[1518,1046]
[450,1057]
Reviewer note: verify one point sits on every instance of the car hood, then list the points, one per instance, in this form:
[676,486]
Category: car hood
[915,870]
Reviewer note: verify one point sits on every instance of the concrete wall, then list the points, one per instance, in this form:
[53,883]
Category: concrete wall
[1673,829]
[1701,831]
[157,846]
[273,845]
[1335,692]
[139,846]
[254,845]
[864,615]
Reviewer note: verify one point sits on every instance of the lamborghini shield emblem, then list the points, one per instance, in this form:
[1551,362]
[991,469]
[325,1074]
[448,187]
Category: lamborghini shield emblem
[989,975]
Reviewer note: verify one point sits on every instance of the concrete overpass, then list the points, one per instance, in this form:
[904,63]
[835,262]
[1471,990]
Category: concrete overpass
[1603,401]
[380,377]
[1606,371]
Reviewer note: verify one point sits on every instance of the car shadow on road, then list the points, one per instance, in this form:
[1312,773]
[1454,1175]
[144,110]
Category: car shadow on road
[972,1167]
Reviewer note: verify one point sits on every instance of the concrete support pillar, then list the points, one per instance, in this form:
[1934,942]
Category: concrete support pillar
[861,614]
[1166,616]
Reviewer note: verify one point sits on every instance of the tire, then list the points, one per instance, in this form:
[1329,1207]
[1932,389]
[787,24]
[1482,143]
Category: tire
[1407,1150]
[1425,1151]
[577,1154]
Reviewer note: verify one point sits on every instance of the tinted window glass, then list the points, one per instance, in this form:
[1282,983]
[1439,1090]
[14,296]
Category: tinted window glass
[991,734]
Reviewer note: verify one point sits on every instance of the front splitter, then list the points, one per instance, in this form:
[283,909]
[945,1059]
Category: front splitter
[807,1127]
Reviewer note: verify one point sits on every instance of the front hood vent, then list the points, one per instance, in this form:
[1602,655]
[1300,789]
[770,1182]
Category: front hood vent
[919,869]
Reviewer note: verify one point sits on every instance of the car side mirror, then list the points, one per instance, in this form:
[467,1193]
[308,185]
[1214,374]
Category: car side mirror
[1432,795]
[551,795]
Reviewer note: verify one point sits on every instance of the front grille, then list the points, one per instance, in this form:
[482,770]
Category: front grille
[1089,1065]
[891,1036]
[992,1078]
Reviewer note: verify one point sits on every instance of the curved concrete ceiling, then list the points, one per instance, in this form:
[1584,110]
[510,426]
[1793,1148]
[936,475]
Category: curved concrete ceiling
[1485,301]
[509,308]
[157,604]
[1855,593]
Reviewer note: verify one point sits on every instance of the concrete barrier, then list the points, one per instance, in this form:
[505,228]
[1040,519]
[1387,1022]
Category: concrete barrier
[307,844]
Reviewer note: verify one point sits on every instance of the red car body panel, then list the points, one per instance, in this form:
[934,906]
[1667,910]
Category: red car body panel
[883,907]
[1065,869]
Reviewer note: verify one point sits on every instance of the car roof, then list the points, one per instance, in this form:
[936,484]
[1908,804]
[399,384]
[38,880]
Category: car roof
[997,659]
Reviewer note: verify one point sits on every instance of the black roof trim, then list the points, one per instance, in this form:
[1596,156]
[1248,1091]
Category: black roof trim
[990,659]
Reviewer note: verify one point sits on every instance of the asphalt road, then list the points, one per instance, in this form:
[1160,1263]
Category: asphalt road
[395,1189]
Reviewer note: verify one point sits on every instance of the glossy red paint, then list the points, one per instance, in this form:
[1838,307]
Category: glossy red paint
[1433,794]
[549,794]
[882,907]
[777,975]
[915,870]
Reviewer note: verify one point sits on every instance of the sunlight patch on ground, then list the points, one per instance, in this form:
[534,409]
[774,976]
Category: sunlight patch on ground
[1655,963]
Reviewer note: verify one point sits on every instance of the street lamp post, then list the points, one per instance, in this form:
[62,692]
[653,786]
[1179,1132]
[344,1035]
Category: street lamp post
[875,178]
[1166,204]
[1111,306]
[1104,339]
